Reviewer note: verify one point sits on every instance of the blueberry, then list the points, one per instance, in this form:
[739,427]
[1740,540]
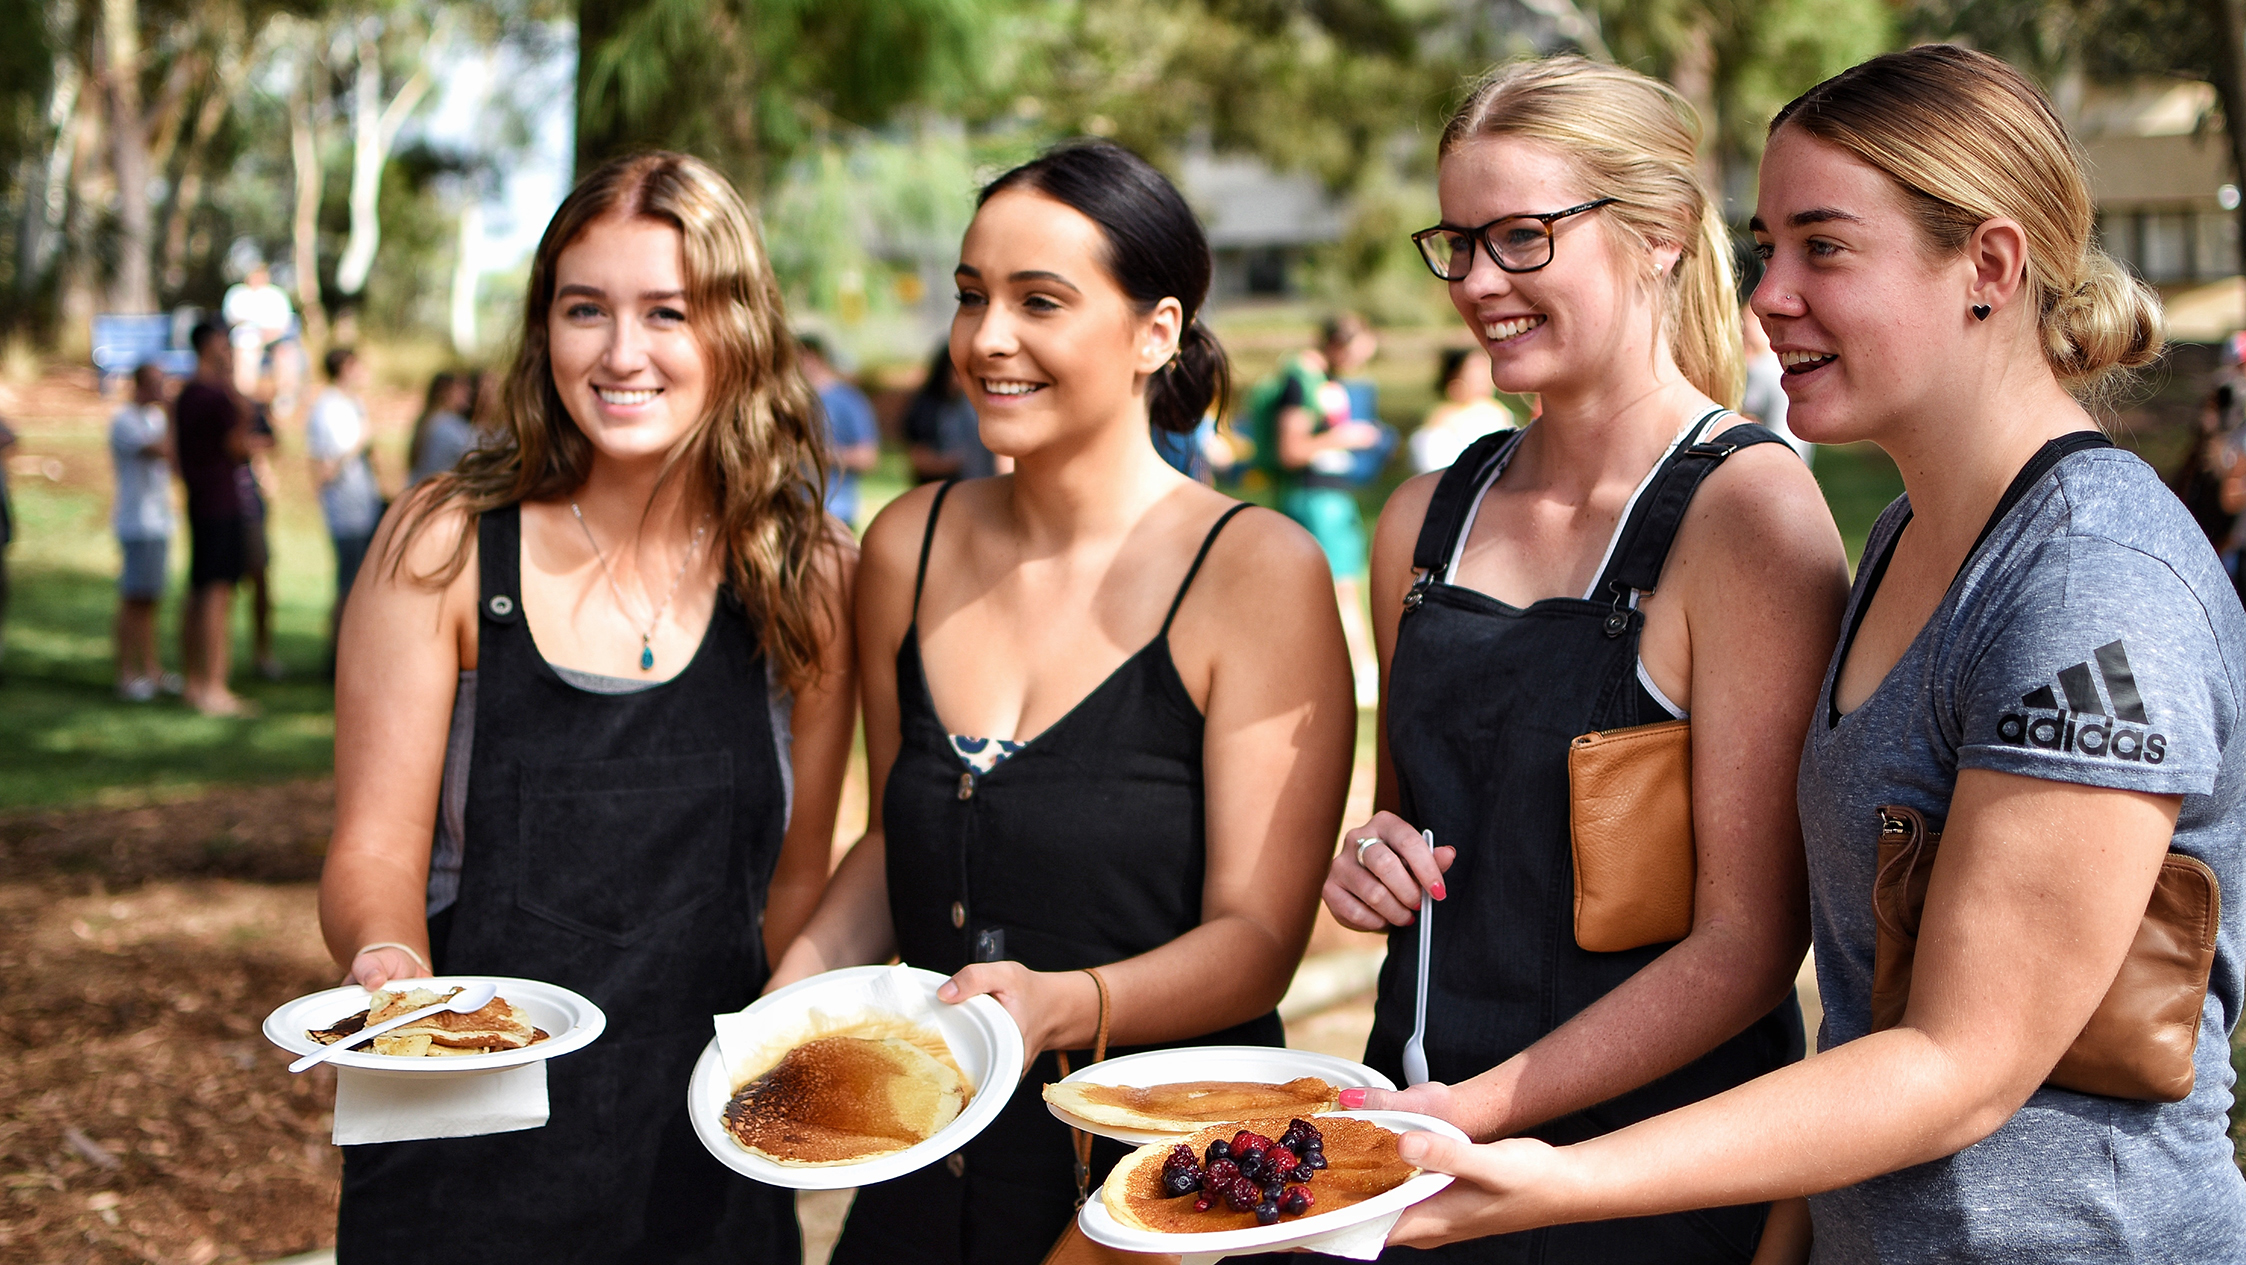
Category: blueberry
[1296,1201]
[1219,1150]
[1267,1212]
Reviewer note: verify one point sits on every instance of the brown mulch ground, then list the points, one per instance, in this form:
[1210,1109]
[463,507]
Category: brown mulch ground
[143,1116]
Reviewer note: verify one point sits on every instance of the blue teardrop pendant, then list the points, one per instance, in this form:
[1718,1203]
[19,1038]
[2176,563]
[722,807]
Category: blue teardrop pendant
[646,658]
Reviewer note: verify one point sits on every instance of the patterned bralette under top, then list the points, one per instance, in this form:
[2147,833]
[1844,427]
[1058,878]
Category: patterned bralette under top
[983,754]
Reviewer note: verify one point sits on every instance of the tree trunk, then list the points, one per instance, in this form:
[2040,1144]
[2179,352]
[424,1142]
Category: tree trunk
[2230,87]
[48,194]
[133,289]
[304,146]
[597,20]
[464,277]
[374,127]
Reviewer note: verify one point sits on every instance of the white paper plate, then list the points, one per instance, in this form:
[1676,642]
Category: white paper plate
[1290,1231]
[1260,1064]
[982,1037]
[571,1020]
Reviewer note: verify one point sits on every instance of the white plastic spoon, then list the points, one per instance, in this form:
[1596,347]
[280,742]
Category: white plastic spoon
[1415,1050]
[470,998]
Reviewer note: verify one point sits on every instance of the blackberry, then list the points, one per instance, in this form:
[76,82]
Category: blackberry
[1267,1212]
[1296,1201]
[1218,1177]
[1180,1174]
[1243,1195]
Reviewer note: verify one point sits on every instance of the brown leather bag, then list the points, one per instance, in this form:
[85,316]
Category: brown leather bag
[1630,823]
[2140,1041]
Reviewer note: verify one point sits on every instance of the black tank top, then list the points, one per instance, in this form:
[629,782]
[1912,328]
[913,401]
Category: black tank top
[1483,699]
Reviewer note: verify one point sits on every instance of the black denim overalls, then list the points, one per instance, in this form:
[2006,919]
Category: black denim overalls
[1483,700]
[619,845]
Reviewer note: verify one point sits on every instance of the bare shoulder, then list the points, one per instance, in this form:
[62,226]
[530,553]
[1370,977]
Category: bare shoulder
[1263,553]
[891,545]
[1762,508]
[1407,505]
[418,540]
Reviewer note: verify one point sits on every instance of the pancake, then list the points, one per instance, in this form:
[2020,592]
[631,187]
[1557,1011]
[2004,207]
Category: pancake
[844,1100]
[1188,1105]
[1361,1163]
[497,1026]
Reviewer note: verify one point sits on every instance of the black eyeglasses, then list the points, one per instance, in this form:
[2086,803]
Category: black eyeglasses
[1516,243]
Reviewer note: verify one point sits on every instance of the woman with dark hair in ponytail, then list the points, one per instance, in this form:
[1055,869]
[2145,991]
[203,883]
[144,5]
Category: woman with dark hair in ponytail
[1108,710]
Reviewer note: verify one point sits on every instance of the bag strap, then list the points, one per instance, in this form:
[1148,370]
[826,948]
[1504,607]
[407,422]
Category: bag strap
[1079,1140]
[1643,547]
[2039,465]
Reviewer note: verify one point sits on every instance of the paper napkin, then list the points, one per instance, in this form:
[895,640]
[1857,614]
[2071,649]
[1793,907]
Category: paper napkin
[400,1107]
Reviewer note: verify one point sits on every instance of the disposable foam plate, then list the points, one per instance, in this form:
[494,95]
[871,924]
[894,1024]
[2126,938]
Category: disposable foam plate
[982,1037]
[1257,1064]
[1104,1229]
[571,1020]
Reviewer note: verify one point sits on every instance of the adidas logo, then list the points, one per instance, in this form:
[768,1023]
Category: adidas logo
[2113,725]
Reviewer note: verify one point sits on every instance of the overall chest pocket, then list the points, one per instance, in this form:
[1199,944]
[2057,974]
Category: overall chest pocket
[615,849]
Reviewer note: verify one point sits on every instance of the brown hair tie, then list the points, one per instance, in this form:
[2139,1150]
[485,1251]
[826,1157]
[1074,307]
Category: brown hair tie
[1081,1140]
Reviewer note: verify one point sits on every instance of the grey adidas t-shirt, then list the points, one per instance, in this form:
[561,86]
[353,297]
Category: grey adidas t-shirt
[2094,639]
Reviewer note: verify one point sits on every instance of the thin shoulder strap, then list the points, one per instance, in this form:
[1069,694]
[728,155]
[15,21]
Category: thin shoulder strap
[1446,510]
[1195,569]
[1652,529]
[928,538]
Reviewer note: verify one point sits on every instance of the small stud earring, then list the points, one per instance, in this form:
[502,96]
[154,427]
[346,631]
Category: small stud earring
[1980,311]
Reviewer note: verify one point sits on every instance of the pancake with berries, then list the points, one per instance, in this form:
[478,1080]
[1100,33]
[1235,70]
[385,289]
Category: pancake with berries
[1258,1172]
[1185,1106]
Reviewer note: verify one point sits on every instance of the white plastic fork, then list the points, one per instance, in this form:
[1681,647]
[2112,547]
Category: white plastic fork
[1415,1050]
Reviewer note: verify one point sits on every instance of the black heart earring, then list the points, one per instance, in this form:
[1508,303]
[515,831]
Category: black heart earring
[1980,311]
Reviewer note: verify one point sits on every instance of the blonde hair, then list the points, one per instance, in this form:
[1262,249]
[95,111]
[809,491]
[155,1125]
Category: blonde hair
[756,455]
[1637,141]
[1969,139]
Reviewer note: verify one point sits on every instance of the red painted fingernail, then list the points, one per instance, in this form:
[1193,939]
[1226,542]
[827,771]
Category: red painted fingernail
[1353,1098]
[1436,891]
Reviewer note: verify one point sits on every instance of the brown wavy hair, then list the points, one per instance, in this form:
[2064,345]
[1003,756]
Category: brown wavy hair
[757,455]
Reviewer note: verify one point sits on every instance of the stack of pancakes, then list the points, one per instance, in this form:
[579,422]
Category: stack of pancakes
[845,1099]
[498,1026]
[1188,1105]
[1361,1162]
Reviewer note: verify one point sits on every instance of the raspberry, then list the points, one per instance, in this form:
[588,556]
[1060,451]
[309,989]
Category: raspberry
[1242,1140]
[1296,1201]
[1203,1204]
[1281,1163]
[1218,1177]
[1243,1195]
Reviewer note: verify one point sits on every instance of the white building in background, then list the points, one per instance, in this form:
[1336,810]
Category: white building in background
[1259,221]
[2160,172]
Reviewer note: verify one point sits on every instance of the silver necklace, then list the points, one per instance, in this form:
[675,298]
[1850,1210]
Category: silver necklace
[647,634]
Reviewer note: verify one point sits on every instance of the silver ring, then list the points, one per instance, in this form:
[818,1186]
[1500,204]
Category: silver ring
[1364,843]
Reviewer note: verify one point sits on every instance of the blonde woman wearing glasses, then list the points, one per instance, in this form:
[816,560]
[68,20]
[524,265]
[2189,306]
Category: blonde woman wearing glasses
[1636,556]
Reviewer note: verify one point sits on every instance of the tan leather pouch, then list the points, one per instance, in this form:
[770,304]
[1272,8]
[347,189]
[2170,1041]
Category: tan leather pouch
[2140,1041]
[1630,822]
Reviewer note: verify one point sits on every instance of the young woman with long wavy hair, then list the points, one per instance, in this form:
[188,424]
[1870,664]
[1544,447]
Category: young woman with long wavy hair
[593,703]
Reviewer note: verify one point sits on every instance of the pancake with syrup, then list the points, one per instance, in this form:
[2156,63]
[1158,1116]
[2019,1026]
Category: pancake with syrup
[1188,1105]
[844,1100]
[1361,1163]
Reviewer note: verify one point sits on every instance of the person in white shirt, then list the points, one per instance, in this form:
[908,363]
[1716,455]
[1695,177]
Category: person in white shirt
[262,326]
[140,443]
[336,437]
[1468,410]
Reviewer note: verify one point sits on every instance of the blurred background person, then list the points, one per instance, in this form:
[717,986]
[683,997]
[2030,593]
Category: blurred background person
[943,437]
[262,326]
[853,440]
[140,449]
[1764,398]
[1315,439]
[7,530]
[442,435]
[335,436]
[2207,477]
[255,481]
[1466,410]
[210,438]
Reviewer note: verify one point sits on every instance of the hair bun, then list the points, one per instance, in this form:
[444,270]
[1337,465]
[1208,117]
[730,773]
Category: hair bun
[2111,321]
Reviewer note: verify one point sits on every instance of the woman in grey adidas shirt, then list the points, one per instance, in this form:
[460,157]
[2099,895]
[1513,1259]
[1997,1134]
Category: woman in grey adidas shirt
[2042,658]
